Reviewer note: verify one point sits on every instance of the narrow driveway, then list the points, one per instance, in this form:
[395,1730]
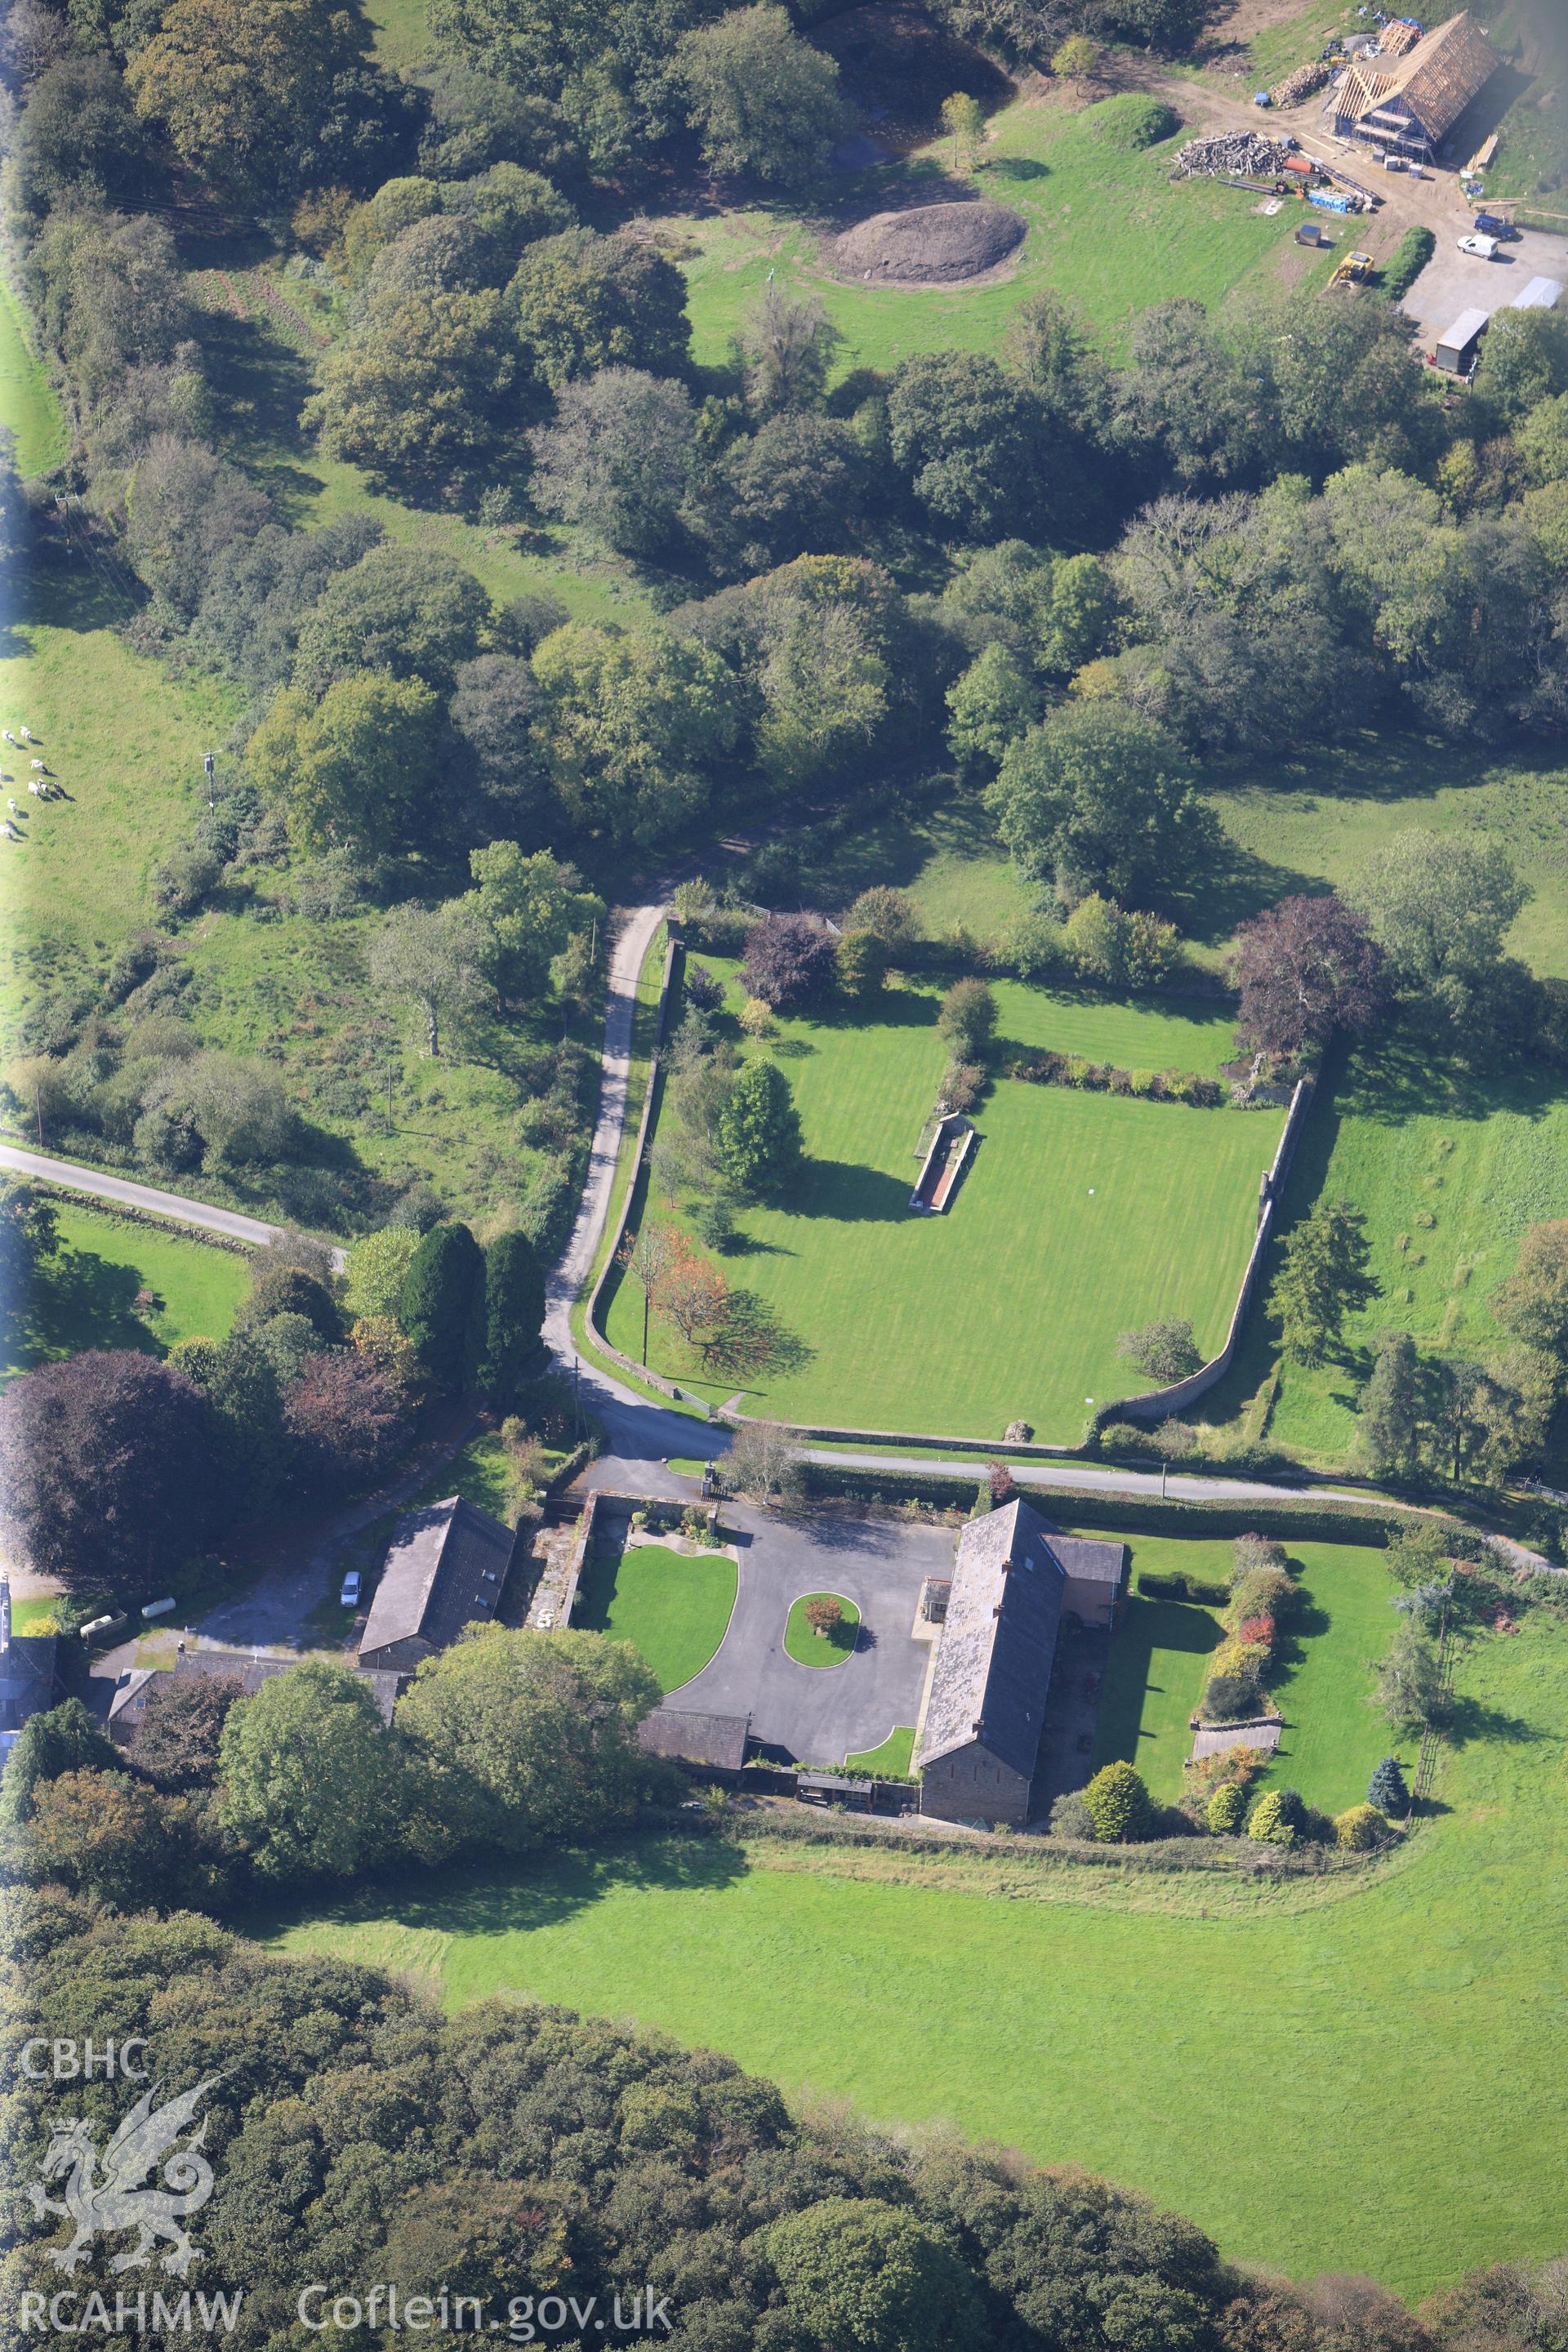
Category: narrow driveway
[820,1715]
[571,1270]
[146,1197]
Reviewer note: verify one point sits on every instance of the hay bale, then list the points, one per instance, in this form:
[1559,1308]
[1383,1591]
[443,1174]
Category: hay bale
[934,244]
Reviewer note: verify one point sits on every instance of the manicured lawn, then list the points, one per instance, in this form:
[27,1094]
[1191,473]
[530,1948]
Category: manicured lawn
[1143,1032]
[1406,2038]
[1107,230]
[28,408]
[809,1648]
[1155,1669]
[86,1297]
[1159,1660]
[1332,1736]
[894,1756]
[1082,1215]
[673,1606]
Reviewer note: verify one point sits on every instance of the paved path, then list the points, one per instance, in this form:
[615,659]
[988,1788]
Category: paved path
[144,1196]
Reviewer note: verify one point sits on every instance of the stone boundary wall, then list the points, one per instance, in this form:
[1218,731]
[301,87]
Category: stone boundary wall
[579,1554]
[1158,1405]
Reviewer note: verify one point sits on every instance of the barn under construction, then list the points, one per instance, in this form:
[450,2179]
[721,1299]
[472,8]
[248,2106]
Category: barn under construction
[1409,104]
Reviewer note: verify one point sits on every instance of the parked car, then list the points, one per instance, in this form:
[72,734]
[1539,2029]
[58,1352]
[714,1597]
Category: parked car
[1483,247]
[1493,224]
[349,1597]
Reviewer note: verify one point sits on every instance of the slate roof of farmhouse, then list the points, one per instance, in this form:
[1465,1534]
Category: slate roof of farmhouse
[717,1740]
[445,1569]
[243,1666]
[1435,81]
[998,1639]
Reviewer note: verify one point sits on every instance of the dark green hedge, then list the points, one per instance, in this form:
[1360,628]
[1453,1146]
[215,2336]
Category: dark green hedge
[1406,262]
[1177,1586]
[1307,1520]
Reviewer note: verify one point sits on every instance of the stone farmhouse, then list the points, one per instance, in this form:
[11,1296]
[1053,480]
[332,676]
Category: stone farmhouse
[248,1668]
[1015,1584]
[1410,103]
[446,1568]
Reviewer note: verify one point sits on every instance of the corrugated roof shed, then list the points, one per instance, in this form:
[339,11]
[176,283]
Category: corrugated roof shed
[1458,338]
[1435,81]
[445,1569]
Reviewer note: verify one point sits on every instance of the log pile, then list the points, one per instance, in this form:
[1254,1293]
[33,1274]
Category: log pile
[1244,154]
[1301,83]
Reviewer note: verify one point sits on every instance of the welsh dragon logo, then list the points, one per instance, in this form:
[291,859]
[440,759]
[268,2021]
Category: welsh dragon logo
[115,2197]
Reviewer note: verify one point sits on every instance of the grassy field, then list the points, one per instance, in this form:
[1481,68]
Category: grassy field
[1080,1216]
[1293,825]
[1278,50]
[1449,1175]
[125,743]
[86,1297]
[28,408]
[894,1756]
[1403,2037]
[673,1606]
[1107,229]
[402,38]
[1322,819]
[809,1648]
[1159,1661]
[481,1474]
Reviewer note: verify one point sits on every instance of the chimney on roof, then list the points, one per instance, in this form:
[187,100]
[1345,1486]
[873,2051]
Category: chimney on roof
[977,1728]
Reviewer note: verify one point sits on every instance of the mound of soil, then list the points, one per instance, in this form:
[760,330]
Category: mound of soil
[934,244]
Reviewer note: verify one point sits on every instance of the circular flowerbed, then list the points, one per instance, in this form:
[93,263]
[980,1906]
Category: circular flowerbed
[814,1637]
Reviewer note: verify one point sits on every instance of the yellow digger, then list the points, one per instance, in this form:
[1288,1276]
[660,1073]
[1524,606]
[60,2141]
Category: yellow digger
[1354,271]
